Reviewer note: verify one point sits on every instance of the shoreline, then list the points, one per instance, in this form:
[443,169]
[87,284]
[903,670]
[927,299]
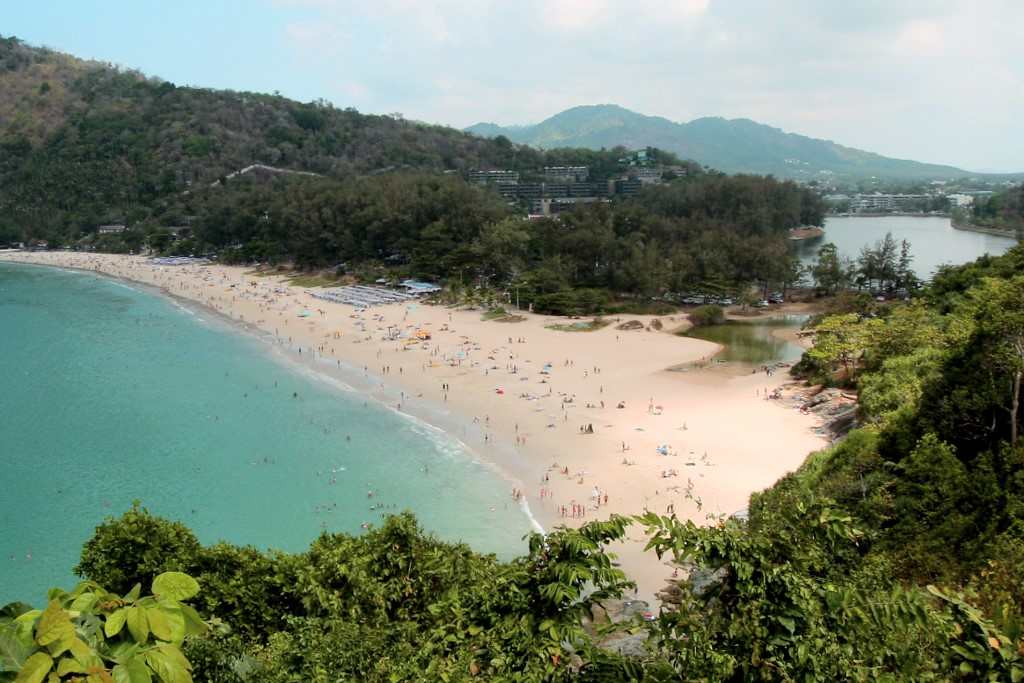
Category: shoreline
[342,378]
[529,432]
[971,227]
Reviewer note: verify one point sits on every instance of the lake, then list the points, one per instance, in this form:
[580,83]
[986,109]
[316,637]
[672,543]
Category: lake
[933,240]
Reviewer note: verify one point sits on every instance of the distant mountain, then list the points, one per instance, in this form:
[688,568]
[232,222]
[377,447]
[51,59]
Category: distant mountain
[731,145]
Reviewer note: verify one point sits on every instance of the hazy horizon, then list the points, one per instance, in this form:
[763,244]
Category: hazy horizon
[938,81]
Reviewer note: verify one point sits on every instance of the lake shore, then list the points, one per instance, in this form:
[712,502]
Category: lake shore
[723,439]
[971,227]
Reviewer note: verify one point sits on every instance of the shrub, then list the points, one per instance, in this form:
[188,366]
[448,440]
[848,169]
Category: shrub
[707,315]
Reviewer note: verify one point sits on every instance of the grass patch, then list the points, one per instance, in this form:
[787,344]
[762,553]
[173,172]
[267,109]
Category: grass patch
[581,326]
[500,315]
[494,314]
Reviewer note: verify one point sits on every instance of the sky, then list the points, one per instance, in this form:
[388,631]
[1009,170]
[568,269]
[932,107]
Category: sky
[932,80]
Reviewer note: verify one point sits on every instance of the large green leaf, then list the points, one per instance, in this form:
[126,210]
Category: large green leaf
[84,602]
[194,624]
[138,625]
[123,651]
[67,665]
[132,671]
[14,649]
[115,622]
[169,664]
[35,668]
[55,630]
[84,654]
[159,624]
[175,585]
[176,620]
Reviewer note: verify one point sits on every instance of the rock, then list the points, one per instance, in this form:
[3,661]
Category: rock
[628,645]
[631,325]
[823,396]
[702,579]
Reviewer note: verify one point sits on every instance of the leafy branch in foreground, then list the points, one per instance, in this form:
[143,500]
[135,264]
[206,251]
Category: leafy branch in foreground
[90,635]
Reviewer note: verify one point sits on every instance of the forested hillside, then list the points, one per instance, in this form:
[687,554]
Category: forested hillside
[84,143]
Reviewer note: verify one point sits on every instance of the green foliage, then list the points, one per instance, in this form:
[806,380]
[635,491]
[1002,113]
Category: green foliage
[1002,211]
[393,604]
[136,549]
[829,272]
[90,634]
[707,315]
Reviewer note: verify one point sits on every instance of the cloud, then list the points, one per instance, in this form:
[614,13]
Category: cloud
[922,39]
[937,80]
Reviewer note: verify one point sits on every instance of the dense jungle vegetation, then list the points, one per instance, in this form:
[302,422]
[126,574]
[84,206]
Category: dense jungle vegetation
[895,555]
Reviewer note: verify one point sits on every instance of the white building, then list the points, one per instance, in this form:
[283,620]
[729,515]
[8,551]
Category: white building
[959,201]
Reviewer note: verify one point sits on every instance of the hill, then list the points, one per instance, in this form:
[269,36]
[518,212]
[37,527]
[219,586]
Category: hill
[85,143]
[731,145]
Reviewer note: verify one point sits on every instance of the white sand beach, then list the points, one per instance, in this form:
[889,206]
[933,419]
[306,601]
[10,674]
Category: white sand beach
[696,442]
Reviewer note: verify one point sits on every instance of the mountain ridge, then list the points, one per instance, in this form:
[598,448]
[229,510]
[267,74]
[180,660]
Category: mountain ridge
[739,145]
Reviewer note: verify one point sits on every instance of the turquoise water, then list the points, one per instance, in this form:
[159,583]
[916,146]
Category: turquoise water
[933,240]
[111,394]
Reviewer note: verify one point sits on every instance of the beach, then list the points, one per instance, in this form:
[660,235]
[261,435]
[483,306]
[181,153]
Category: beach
[583,424]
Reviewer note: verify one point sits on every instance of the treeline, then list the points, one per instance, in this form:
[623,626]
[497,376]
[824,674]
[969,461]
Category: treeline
[1000,211]
[708,231]
[883,268]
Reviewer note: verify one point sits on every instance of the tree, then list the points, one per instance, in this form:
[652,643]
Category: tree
[839,339]
[502,247]
[828,271]
[135,548]
[999,315]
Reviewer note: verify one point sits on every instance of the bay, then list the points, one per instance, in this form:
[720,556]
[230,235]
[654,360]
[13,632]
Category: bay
[112,394]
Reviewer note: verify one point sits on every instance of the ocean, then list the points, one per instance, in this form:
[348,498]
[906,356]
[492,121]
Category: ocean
[111,393]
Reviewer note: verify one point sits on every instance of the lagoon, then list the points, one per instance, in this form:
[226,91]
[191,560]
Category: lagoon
[933,240]
[753,342]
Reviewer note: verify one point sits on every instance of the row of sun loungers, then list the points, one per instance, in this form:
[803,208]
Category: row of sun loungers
[362,295]
[178,261]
